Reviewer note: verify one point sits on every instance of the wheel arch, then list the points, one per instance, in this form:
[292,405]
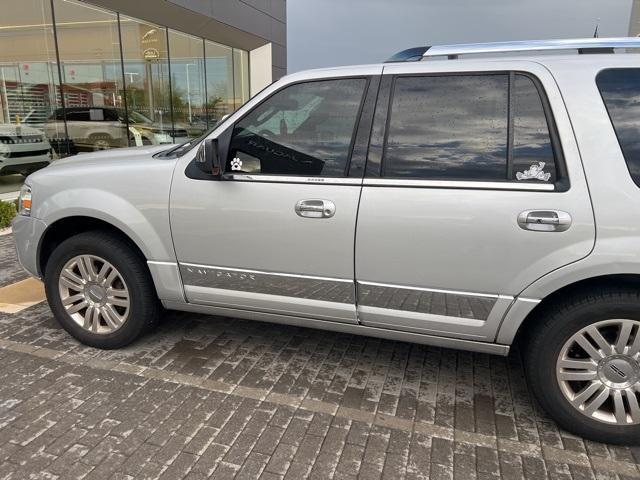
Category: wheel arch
[511,334]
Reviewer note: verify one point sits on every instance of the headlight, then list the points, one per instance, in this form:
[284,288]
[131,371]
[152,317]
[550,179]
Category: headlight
[24,201]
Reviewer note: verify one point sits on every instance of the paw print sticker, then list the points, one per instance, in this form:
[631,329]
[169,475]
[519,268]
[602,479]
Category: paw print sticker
[236,164]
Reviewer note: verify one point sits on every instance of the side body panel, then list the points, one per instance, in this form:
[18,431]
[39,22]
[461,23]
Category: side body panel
[448,258]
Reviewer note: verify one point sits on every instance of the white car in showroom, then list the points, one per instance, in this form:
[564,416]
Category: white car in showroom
[23,149]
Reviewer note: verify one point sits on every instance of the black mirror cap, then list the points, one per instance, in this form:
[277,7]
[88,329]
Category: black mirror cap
[208,158]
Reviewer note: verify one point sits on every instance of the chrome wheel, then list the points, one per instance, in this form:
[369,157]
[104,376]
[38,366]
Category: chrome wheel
[598,371]
[94,294]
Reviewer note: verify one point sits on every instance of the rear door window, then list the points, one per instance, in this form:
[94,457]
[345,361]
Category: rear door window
[620,90]
[482,127]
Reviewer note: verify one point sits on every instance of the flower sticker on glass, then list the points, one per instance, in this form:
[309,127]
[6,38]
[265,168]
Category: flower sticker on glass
[535,172]
[236,164]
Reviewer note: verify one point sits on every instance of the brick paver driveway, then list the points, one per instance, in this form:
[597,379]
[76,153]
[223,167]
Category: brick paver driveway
[217,397]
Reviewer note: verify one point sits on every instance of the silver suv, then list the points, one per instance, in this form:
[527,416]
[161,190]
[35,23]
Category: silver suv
[443,198]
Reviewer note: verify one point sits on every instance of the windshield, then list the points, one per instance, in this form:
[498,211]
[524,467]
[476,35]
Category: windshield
[137,117]
[187,146]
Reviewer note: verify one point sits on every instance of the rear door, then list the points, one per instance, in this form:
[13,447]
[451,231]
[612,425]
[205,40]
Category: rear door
[474,189]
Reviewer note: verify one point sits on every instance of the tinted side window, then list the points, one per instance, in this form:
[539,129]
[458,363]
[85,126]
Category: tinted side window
[533,156]
[456,127]
[448,127]
[78,115]
[305,129]
[620,90]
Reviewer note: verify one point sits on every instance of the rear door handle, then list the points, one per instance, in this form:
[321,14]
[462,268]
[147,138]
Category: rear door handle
[544,220]
[315,208]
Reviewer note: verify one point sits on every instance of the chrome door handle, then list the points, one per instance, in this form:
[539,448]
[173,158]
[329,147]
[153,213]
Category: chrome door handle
[315,208]
[544,220]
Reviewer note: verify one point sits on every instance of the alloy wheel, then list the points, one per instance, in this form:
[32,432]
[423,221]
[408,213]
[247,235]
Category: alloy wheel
[598,371]
[94,294]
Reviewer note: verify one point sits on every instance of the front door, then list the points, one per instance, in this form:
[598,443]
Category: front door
[474,191]
[277,234]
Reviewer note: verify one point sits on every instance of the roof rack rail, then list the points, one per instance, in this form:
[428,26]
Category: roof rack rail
[583,45]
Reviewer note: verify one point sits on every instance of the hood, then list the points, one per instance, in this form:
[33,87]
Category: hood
[12,130]
[115,155]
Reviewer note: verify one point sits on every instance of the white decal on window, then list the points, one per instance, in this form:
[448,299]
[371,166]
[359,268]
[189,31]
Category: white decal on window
[236,164]
[535,172]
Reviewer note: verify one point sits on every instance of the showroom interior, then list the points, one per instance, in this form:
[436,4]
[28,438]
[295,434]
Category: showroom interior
[80,77]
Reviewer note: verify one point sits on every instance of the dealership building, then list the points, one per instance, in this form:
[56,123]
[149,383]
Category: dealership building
[78,76]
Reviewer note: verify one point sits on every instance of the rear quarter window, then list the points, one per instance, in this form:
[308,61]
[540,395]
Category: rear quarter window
[620,90]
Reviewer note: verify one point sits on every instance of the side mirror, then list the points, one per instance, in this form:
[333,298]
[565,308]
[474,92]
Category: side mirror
[208,159]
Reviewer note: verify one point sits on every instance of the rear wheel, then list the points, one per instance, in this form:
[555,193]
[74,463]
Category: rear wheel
[100,290]
[583,363]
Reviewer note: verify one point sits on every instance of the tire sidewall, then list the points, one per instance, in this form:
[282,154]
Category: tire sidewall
[124,262]
[541,368]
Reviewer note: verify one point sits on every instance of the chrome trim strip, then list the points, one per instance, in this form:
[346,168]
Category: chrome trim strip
[532,46]
[529,300]
[265,272]
[243,177]
[428,304]
[461,344]
[436,290]
[391,182]
[270,283]
[156,262]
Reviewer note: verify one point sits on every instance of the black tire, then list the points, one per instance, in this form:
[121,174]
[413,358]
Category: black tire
[544,341]
[145,307]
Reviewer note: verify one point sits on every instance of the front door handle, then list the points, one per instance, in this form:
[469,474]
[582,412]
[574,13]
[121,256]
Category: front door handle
[544,220]
[315,208]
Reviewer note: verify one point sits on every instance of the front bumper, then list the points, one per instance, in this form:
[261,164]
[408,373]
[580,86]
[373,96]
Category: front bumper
[27,232]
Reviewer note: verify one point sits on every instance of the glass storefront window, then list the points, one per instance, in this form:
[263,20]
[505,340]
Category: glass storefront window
[219,67]
[29,89]
[187,84]
[92,80]
[146,74]
[240,76]
[77,78]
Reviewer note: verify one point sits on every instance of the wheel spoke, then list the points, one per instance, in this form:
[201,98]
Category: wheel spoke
[605,346]
[86,268]
[634,349]
[597,402]
[634,408]
[88,315]
[70,300]
[77,307]
[586,345]
[577,364]
[623,337]
[618,408]
[105,270]
[95,320]
[70,280]
[585,394]
[111,317]
[576,376]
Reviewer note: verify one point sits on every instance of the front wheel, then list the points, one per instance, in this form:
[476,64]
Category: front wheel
[100,290]
[583,364]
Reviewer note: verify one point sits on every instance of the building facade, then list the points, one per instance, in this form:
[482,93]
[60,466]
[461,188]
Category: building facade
[79,76]
[634,24]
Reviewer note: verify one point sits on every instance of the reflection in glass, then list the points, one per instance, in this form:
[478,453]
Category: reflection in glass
[620,89]
[29,89]
[187,83]
[219,66]
[240,76]
[146,76]
[305,129]
[89,49]
[448,127]
[532,148]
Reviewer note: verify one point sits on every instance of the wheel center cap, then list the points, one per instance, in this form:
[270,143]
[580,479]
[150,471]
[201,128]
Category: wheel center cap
[96,294]
[619,371]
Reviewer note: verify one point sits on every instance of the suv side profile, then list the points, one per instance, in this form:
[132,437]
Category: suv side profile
[464,202]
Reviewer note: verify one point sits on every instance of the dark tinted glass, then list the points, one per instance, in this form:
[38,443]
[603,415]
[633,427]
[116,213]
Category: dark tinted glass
[305,129]
[533,157]
[78,115]
[620,89]
[448,127]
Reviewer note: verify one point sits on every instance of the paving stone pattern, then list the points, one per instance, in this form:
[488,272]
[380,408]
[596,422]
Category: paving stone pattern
[211,397]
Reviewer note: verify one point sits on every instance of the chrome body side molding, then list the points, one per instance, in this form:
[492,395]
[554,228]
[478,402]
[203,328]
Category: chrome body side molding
[354,329]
